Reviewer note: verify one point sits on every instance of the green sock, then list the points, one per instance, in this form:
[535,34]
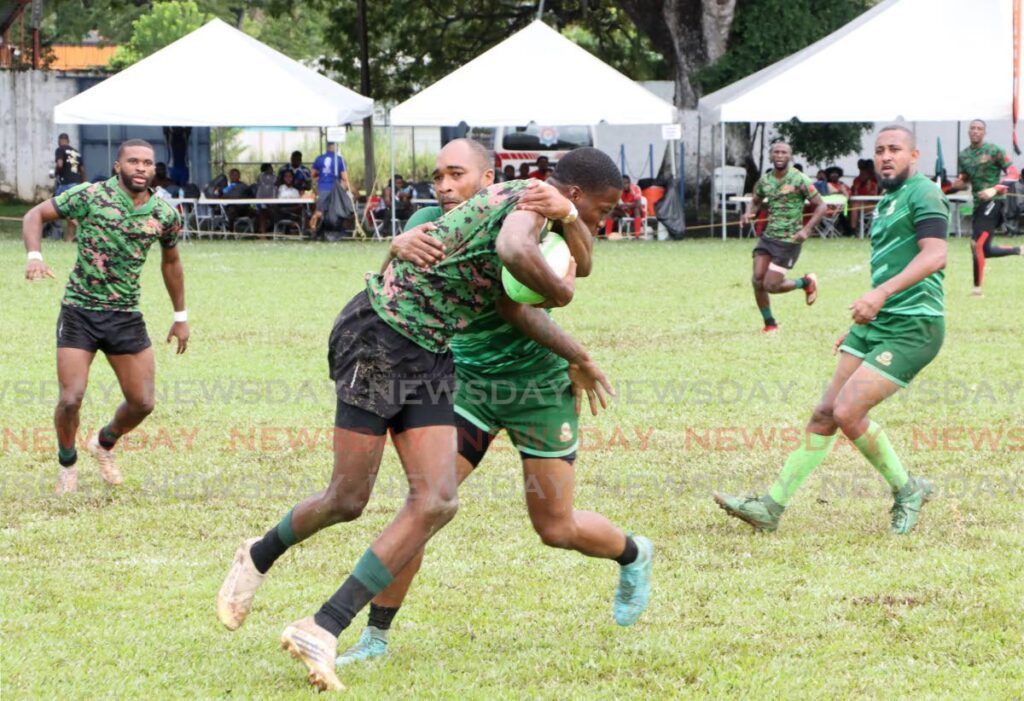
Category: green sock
[875,446]
[372,573]
[285,532]
[800,463]
[766,314]
[800,283]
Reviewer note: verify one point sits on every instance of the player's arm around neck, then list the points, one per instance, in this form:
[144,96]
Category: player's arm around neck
[518,250]
[32,235]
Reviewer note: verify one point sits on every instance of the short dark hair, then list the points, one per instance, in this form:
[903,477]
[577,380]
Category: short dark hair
[978,120]
[266,168]
[588,168]
[134,142]
[296,153]
[905,130]
[63,137]
[479,150]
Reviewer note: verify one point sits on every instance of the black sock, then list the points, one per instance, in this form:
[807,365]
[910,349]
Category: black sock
[108,438]
[344,604]
[67,457]
[629,553]
[265,552]
[381,616]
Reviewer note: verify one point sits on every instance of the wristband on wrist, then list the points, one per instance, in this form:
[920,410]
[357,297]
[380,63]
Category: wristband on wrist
[35,255]
[180,316]
[572,215]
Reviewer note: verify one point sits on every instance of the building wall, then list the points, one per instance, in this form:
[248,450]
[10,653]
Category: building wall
[28,135]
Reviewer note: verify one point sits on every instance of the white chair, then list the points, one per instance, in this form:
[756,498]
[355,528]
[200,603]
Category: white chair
[729,180]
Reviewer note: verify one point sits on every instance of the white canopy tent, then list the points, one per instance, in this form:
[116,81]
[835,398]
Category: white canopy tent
[536,75]
[903,73]
[182,85]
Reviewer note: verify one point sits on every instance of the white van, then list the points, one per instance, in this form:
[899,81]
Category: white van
[516,145]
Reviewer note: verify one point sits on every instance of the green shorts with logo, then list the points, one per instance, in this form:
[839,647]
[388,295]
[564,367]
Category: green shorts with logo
[896,346]
[537,410]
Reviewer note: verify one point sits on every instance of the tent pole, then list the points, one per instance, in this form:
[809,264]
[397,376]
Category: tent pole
[650,158]
[110,161]
[682,180]
[413,176]
[711,190]
[722,193]
[958,142]
[391,182]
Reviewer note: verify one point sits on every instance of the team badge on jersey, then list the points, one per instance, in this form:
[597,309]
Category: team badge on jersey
[884,358]
[566,435]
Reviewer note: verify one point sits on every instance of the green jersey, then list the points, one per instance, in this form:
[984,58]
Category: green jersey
[894,244]
[430,306]
[785,198]
[424,215]
[113,240]
[489,345]
[983,166]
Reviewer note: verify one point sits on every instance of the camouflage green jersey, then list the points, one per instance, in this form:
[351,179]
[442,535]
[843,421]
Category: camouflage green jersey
[490,346]
[983,166]
[113,240]
[894,244]
[430,306]
[785,199]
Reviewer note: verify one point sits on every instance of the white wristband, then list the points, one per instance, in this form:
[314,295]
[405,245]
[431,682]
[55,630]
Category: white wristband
[180,316]
[35,255]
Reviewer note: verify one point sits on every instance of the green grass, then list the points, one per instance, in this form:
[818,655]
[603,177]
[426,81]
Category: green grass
[109,593]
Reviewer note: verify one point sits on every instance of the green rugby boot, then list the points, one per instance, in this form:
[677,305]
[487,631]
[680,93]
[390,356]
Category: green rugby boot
[906,508]
[372,643]
[634,590]
[760,512]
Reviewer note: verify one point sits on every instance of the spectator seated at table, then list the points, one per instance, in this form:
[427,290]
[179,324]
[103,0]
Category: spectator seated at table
[837,187]
[864,185]
[404,194]
[265,188]
[630,206]
[161,179]
[821,182]
[302,179]
[543,169]
[235,189]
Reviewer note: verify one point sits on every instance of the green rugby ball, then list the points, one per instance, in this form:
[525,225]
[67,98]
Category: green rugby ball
[556,253]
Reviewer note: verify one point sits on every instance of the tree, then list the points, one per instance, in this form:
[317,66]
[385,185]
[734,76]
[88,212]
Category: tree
[165,23]
[822,144]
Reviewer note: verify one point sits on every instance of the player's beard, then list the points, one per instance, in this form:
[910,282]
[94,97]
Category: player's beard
[893,183]
[784,166]
[129,185]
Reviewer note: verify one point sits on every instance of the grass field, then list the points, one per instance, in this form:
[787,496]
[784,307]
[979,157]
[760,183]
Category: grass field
[109,593]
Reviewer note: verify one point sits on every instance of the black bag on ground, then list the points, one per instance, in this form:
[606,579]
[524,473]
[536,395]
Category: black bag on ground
[669,211]
[1013,211]
[338,211]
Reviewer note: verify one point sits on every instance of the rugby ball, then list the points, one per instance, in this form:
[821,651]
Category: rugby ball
[556,253]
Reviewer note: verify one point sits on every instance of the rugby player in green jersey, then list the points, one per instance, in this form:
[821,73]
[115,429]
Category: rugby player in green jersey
[508,381]
[393,370]
[898,328]
[784,192]
[981,166]
[118,221]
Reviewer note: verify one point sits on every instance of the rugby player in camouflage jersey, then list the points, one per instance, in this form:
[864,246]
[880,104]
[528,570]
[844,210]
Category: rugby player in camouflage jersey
[393,371]
[783,192]
[118,220]
[898,329]
[981,166]
[507,381]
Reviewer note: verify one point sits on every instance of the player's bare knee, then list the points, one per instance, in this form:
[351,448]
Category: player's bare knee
[846,415]
[143,406]
[822,419]
[438,508]
[758,283]
[343,507]
[70,400]
[772,286]
[555,534]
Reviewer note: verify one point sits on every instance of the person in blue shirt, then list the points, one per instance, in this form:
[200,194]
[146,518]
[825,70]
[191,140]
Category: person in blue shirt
[329,168]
